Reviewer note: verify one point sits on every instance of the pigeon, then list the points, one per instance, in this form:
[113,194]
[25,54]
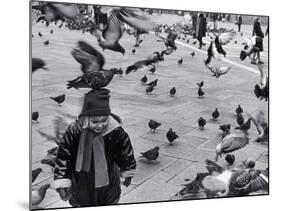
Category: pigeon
[59,99]
[230,159]
[52,31]
[32,35]
[249,163]
[38,63]
[201,122]
[200,92]
[140,41]
[38,195]
[201,84]
[173,91]
[46,42]
[151,154]
[153,125]
[225,128]
[51,12]
[218,70]
[35,116]
[246,126]
[192,54]
[215,114]
[40,35]
[52,151]
[171,135]
[235,182]
[61,25]
[153,69]
[194,43]
[187,41]
[262,89]
[149,89]
[180,61]
[230,143]
[92,62]
[215,47]
[156,57]
[35,173]
[240,119]
[167,52]
[144,79]
[134,51]
[169,41]
[239,110]
[153,83]
[49,160]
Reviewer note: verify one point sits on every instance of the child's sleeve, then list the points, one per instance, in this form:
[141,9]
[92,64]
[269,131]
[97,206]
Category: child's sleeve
[63,167]
[123,153]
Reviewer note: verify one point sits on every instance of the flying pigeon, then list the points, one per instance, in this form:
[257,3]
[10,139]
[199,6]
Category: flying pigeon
[144,79]
[218,70]
[215,47]
[92,62]
[201,84]
[230,143]
[169,41]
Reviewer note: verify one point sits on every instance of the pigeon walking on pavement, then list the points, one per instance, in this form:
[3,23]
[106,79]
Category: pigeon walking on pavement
[225,128]
[215,114]
[200,84]
[180,61]
[200,92]
[59,99]
[152,124]
[201,122]
[38,63]
[151,154]
[144,79]
[35,116]
[153,69]
[173,91]
[171,135]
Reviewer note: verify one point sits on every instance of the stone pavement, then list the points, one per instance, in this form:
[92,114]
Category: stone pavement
[161,180]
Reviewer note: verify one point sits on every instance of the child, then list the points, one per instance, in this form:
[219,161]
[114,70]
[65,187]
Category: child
[93,151]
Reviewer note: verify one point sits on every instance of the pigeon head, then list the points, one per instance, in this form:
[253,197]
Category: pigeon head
[157,148]
[249,163]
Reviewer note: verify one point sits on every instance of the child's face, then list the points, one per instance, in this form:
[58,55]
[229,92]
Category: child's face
[97,123]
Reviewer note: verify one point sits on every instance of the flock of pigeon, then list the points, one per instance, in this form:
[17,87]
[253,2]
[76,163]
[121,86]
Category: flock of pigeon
[233,180]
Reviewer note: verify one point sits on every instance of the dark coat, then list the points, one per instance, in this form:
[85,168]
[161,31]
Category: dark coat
[202,27]
[119,156]
[260,35]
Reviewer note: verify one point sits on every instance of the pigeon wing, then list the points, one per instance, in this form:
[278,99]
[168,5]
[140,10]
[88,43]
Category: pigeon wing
[224,38]
[258,182]
[233,143]
[112,33]
[224,70]
[137,21]
[213,167]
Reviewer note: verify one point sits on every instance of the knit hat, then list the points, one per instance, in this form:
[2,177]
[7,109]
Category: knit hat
[96,103]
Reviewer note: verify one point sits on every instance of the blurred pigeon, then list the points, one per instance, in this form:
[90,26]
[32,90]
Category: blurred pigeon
[180,61]
[187,41]
[239,110]
[35,116]
[173,91]
[35,173]
[37,196]
[193,54]
[215,114]
[200,92]
[144,79]
[52,151]
[49,160]
[201,122]
[153,69]
[194,43]
[152,124]
[230,159]
[59,99]
[52,31]
[149,89]
[46,42]
[92,62]
[134,51]
[246,126]
[56,11]
[201,84]
[215,47]
[235,41]
[40,35]
[240,119]
[169,41]
[32,35]
[140,41]
[218,71]
[153,83]
[171,135]
[225,128]
[61,25]
[38,64]
[151,154]
[230,143]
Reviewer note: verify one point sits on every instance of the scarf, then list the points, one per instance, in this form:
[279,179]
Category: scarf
[91,148]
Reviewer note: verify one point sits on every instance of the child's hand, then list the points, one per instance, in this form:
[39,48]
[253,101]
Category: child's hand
[65,193]
[127,181]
